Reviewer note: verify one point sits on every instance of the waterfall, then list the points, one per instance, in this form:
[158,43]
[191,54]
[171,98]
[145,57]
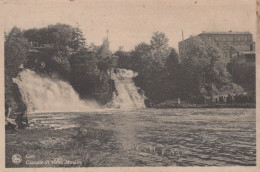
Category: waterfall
[127,95]
[47,94]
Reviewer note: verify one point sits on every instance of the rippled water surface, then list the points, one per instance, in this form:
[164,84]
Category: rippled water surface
[151,137]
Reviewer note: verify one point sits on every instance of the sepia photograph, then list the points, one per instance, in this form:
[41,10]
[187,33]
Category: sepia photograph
[130,83]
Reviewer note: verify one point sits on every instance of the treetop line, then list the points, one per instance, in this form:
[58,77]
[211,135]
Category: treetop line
[208,66]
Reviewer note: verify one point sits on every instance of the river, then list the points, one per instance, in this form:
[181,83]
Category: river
[141,137]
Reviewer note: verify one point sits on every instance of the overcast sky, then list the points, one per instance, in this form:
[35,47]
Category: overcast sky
[132,22]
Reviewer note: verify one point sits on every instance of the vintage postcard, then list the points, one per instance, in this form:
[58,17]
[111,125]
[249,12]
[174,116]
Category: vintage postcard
[140,85]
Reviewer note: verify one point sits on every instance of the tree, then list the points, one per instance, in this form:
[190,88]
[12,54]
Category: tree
[173,74]
[58,35]
[173,61]
[138,55]
[155,75]
[94,48]
[16,51]
[203,69]
[124,59]
[153,55]
[31,35]
[84,72]
[89,73]
[79,40]
[159,47]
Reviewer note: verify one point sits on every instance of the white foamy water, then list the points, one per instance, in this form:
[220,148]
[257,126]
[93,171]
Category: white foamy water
[126,95]
[46,94]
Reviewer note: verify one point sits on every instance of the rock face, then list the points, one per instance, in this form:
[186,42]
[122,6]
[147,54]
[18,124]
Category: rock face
[148,103]
[13,97]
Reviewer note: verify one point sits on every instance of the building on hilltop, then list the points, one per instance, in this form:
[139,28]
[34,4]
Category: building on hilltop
[225,41]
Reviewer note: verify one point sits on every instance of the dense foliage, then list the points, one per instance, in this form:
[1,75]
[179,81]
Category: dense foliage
[16,50]
[90,72]
[163,75]
[200,70]
[57,36]
[61,51]
[204,71]
[157,65]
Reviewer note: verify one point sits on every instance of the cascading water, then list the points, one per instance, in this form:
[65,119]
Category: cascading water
[126,94]
[46,94]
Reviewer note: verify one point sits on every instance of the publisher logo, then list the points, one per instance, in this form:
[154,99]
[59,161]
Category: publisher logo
[16,159]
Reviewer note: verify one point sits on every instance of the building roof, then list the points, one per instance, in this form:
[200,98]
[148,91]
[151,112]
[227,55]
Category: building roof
[221,33]
[218,33]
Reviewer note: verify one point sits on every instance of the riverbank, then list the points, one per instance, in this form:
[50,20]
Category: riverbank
[174,105]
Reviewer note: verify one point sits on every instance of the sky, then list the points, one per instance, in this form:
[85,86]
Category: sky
[132,22]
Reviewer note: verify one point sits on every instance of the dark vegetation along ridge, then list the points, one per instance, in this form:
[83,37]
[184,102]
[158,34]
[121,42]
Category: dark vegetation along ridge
[61,51]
